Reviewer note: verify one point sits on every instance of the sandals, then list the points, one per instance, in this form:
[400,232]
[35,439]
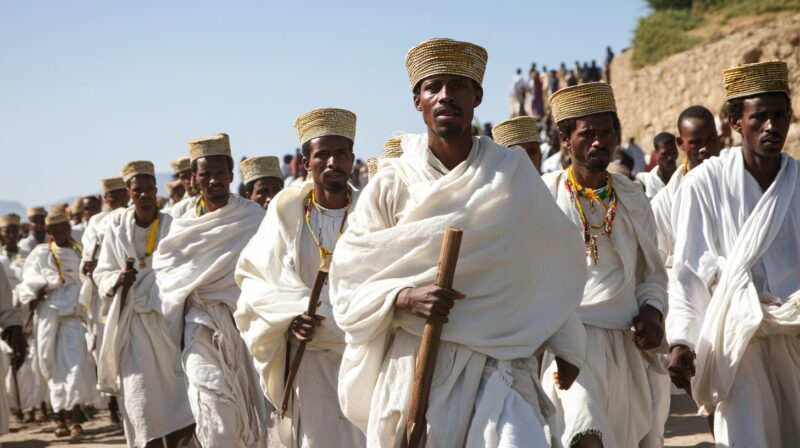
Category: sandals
[39,416]
[61,430]
[76,430]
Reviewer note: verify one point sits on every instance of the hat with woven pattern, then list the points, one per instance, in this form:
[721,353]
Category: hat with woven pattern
[392,149]
[55,215]
[446,57]
[11,219]
[181,165]
[323,122]
[136,168]
[113,183]
[372,166]
[516,131]
[213,145]
[259,167]
[35,211]
[752,79]
[582,100]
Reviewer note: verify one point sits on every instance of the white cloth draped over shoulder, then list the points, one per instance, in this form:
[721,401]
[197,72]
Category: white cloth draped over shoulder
[520,267]
[652,181]
[747,246]
[662,204]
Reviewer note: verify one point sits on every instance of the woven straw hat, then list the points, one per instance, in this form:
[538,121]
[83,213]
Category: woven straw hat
[172,184]
[113,183]
[36,211]
[326,121]
[372,166]
[751,79]
[136,168]
[259,167]
[446,57]
[515,131]
[11,219]
[392,149]
[181,165]
[213,145]
[582,100]
[55,215]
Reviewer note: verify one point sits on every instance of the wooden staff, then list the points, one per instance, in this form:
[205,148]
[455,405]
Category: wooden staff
[128,266]
[416,425]
[319,282]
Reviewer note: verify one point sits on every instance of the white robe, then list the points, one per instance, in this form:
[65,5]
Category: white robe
[138,359]
[9,316]
[276,272]
[735,297]
[28,243]
[61,342]
[652,182]
[611,396]
[521,293]
[194,267]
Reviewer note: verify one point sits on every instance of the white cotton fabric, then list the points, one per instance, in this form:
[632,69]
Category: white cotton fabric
[519,290]
[612,397]
[63,358]
[194,266]
[276,272]
[652,181]
[28,243]
[662,204]
[9,315]
[137,357]
[742,244]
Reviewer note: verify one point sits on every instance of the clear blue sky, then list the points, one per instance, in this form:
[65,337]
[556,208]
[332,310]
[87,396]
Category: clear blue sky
[87,85]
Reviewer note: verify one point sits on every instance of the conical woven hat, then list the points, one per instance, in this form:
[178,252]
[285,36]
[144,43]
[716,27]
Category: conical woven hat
[372,166]
[113,183]
[181,165]
[392,149]
[35,211]
[752,79]
[213,145]
[446,57]
[55,215]
[259,167]
[326,121]
[515,131]
[11,219]
[582,100]
[136,168]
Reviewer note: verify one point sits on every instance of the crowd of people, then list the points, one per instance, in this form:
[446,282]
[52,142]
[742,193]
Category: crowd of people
[294,313]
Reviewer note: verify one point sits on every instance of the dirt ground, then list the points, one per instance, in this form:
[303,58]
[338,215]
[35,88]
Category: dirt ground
[684,429]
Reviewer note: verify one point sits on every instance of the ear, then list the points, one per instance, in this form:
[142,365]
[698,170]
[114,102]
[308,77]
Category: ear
[478,97]
[417,104]
[306,164]
[679,141]
[736,124]
[564,140]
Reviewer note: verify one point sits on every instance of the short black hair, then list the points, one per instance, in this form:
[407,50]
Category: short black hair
[287,158]
[662,138]
[696,111]
[567,126]
[227,159]
[736,105]
[307,148]
[418,88]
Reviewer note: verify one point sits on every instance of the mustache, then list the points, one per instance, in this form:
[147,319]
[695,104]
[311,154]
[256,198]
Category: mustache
[594,151]
[771,136]
[332,172]
[451,109]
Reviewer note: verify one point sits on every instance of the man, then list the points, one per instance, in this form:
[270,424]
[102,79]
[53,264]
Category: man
[698,138]
[666,152]
[522,132]
[194,267]
[625,297]
[51,285]
[82,211]
[36,229]
[262,179]
[276,273]
[557,158]
[25,380]
[176,191]
[182,171]
[636,152]
[518,91]
[735,289]
[137,358]
[513,297]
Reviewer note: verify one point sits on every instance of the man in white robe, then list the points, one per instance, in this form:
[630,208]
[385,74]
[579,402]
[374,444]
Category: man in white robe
[513,297]
[625,297]
[182,171]
[51,285]
[194,267]
[667,152]
[36,229]
[698,138]
[262,179]
[522,132]
[735,290]
[276,273]
[32,391]
[138,359]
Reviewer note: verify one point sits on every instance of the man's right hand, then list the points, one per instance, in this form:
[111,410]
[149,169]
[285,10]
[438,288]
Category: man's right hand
[429,302]
[126,278]
[88,267]
[681,366]
[303,327]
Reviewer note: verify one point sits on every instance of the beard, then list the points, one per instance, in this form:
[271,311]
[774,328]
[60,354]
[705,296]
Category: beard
[448,132]
[335,187]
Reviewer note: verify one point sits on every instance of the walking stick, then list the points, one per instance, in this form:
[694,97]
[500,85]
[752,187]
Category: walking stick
[128,266]
[416,425]
[319,282]
[16,389]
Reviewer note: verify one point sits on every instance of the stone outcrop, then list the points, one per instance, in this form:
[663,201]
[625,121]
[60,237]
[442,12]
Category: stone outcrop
[650,99]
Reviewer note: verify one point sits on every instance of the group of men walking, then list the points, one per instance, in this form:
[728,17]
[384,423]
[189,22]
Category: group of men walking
[576,298]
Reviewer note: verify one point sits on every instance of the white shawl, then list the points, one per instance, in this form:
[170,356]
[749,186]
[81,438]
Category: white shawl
[652,182]
[273,291]
[520,265]
[736,311]
[199,255]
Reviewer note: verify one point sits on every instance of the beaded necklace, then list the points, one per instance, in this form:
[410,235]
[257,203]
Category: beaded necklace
[324,254]
[152,239]
[200,208]
[73,245]
[593,195]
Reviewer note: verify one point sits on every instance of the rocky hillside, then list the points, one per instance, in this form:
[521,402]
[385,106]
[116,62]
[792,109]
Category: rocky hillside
[649,99]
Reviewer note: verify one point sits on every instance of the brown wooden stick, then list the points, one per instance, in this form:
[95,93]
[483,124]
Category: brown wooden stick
[128,266]
[316,290]
[416,424]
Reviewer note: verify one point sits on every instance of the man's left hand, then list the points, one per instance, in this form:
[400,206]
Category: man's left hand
[647,331]
[565,374]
